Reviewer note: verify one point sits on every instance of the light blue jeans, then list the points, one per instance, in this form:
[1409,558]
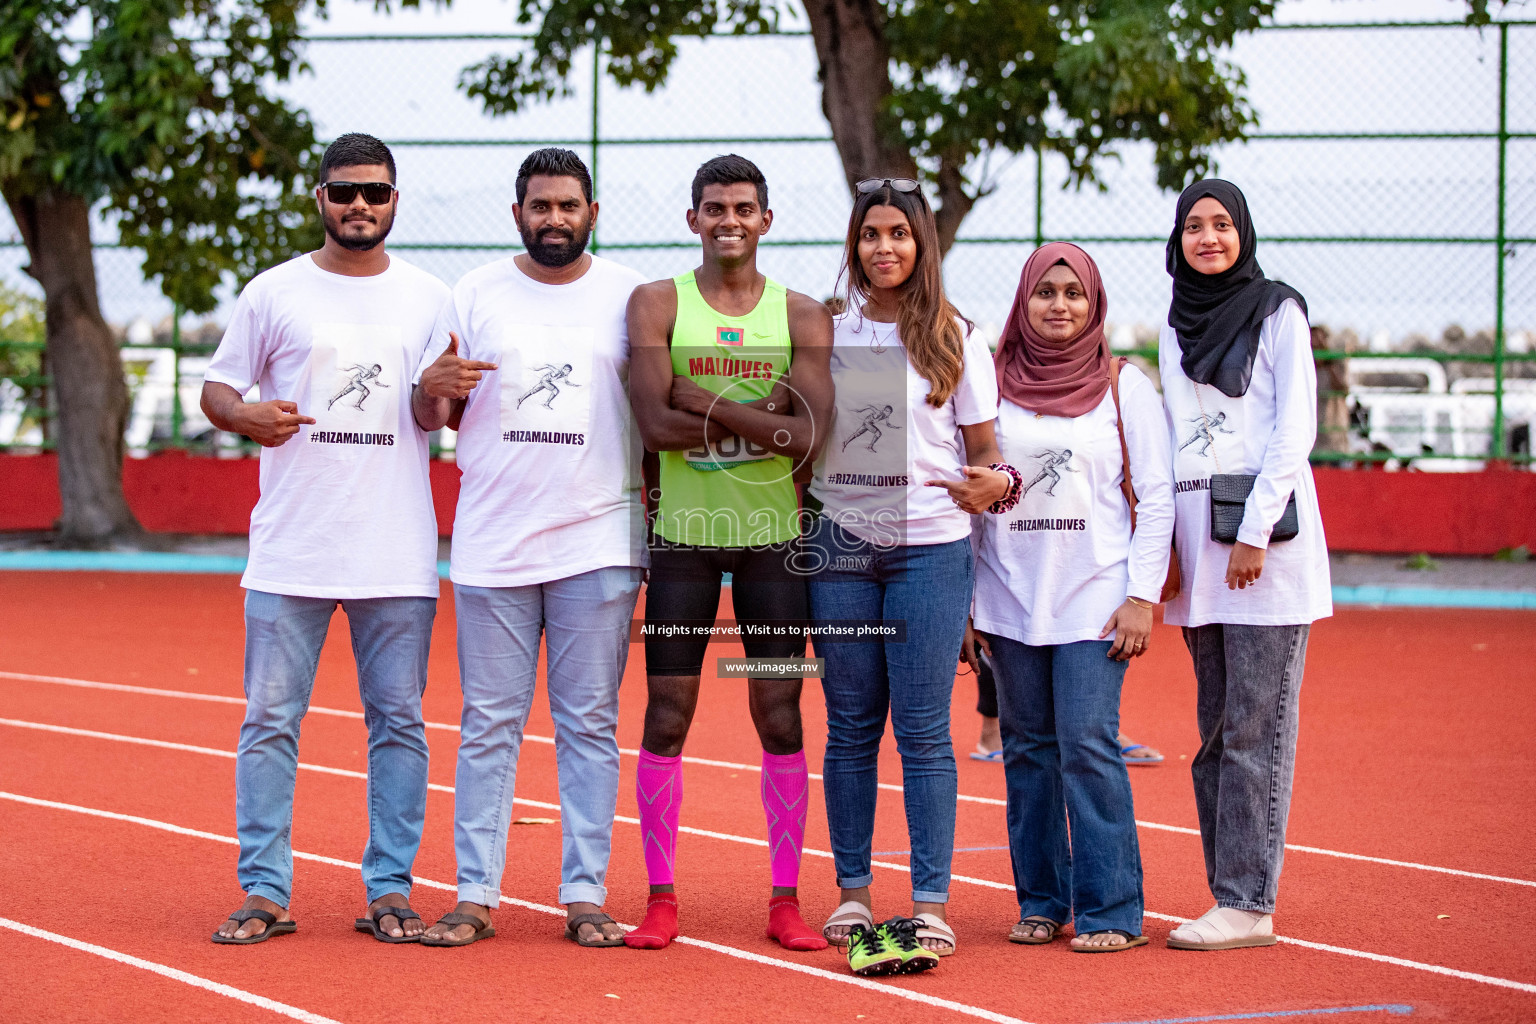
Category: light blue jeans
[927,587]
[585,621]
[283,637]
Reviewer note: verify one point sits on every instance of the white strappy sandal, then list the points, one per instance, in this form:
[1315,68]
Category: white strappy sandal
[932,927]
[848,916]
[1224,928]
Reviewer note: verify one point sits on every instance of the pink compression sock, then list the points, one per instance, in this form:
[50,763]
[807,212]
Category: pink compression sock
[659,792]
[785,786]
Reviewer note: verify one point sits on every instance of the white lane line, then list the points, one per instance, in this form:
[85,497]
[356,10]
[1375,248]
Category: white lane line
[737,766]
[741,954]
[196,981]
[1381,958]
[749,841]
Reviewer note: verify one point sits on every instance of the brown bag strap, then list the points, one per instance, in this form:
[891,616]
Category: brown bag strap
[1115,363]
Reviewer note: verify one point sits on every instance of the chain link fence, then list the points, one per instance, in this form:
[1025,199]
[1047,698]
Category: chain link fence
[1392,180]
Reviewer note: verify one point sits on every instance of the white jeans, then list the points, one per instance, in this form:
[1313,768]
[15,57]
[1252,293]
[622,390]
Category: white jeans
[585,620]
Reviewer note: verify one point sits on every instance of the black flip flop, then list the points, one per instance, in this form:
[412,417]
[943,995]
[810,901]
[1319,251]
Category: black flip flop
[371,924]
[1036,921]
[1131,942]
[483,930]
[274,928]
[573,930]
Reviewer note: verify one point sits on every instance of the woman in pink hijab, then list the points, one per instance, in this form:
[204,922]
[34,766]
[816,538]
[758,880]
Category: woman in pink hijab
[1065,585]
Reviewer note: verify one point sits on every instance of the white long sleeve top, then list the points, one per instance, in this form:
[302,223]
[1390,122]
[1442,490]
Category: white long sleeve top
[1269,432]
[1054,569]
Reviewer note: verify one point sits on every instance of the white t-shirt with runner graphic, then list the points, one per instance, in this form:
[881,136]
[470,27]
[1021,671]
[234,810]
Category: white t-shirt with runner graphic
[1055,568]
[1269,432]
[548,446]
[346,504]
[886,441]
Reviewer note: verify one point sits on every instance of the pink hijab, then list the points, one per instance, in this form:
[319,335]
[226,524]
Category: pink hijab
[1045,377]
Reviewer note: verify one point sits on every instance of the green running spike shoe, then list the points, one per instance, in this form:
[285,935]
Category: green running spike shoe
[901,935]
[870,952]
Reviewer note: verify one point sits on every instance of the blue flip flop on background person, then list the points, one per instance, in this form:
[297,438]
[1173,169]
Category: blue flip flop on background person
[1152,758]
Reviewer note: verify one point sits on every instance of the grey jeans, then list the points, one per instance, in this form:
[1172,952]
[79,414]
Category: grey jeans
[1249,704]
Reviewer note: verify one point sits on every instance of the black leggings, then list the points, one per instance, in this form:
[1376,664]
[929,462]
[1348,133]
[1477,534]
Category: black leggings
[684,591]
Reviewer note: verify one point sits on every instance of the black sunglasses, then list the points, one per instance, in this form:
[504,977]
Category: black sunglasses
[344,193]
[869,185]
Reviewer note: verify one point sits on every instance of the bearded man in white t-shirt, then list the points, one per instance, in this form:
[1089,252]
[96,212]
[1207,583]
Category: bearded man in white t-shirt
[549,536]
[345,516]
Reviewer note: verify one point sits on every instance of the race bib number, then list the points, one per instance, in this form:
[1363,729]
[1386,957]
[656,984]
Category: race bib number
[730,452]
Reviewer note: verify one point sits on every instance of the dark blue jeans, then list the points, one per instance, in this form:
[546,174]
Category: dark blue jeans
[1059,707]
[928,587]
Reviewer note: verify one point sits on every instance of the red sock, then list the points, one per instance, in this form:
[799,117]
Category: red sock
[660,925]
[786,925]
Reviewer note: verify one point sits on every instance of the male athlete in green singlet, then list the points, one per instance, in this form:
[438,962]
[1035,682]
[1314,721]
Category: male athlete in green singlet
[731,383]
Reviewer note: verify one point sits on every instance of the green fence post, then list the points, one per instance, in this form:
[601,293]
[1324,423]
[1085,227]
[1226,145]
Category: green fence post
[176,414]
[1498,446]
[1039,196]
[597,80]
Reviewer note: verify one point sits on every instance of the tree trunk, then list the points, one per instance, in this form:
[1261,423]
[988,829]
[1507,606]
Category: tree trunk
[87,372]
[954,202]
[855,81]
[855,72]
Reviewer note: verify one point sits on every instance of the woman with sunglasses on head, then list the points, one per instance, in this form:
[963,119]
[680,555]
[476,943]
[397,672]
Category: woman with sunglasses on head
[911,456]
[1065,586]
[1241,393]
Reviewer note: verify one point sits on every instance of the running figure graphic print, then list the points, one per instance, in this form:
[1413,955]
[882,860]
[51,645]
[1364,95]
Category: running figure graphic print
[353,373]
[1050,461]
[871,417]
[545,370]
[549,380]
[358,382]
[1205,431]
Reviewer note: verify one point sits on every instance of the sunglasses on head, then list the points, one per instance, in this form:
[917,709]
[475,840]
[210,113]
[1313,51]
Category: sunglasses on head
[869,185]
[344,193]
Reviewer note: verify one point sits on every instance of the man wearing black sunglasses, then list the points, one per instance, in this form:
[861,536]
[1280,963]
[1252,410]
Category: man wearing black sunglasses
[345,516]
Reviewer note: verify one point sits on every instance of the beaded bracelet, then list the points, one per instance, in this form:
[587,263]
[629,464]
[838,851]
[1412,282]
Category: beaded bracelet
[1007,501]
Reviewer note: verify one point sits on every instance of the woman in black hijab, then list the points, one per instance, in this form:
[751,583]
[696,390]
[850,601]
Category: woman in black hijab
[1241,393]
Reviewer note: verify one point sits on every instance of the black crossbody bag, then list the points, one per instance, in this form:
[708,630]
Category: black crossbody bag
[1229,498]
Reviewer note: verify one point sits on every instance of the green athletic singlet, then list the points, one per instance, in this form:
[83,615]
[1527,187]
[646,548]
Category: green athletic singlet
[733,493]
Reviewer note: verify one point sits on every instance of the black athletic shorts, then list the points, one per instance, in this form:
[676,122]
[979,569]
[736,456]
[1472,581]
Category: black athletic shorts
[684,591]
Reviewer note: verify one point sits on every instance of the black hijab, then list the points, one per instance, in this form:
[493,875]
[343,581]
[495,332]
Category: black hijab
[1217,316]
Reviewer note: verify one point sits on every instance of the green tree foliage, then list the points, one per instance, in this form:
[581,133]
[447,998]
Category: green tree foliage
[965,80]
[160,115]
[163,109]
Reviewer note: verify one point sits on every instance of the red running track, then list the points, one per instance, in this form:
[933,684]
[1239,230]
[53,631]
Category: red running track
[1415,747]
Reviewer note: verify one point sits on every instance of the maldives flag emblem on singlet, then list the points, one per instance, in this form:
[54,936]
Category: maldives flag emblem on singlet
[729,335]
